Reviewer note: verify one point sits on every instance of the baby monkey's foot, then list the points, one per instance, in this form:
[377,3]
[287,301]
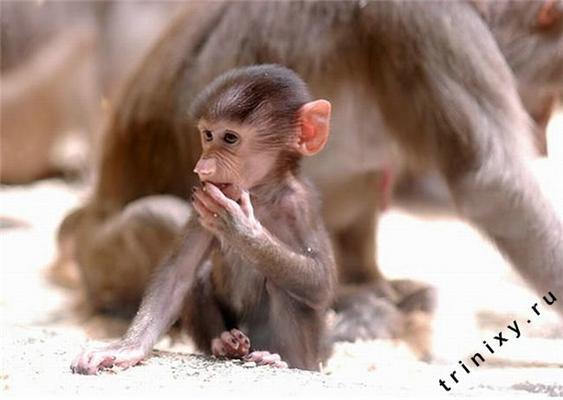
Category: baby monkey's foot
[232,344]
[266,358]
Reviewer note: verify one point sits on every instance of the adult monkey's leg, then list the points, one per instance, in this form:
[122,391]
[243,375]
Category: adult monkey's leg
[464,114]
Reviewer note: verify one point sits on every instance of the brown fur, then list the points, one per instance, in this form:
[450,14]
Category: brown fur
[271,272]
[449,103]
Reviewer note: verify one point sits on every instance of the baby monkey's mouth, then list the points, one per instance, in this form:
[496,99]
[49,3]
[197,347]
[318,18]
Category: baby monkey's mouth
[232,191]
[221,186]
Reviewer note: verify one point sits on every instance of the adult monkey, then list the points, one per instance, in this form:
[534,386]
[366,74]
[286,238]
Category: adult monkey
[446,94]
[530,37]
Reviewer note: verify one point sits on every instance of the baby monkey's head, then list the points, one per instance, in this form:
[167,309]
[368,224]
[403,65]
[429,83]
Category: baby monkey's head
[255,124]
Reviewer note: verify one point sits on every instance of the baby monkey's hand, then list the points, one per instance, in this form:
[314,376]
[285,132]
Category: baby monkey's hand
[225,217]
[122,354]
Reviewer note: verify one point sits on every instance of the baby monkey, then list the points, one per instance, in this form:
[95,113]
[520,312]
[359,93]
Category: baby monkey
[255,256]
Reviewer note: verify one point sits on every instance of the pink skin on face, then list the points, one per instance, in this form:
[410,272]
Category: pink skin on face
[233,168]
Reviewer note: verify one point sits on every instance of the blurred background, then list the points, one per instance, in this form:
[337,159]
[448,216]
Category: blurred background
[63,63]
[62,67]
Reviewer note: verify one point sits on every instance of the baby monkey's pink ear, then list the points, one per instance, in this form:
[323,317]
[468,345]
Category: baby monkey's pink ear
[550,13]
[314,128]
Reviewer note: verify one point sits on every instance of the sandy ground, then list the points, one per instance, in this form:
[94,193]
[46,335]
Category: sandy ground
[478,297]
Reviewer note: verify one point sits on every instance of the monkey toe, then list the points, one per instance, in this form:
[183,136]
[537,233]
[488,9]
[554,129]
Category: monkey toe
[242,339]
[266,358]
[217,348]
[232,344]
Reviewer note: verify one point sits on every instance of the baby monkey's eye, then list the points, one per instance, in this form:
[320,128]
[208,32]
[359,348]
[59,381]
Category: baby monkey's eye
[230,138]
[207,135]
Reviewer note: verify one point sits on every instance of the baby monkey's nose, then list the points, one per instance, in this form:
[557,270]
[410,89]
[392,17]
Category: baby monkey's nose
[205,167]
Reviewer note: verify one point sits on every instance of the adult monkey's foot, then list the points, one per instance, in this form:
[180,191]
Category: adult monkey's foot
[400,309]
